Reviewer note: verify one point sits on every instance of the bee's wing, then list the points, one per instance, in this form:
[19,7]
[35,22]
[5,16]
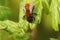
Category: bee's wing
[31,8]
[24,9]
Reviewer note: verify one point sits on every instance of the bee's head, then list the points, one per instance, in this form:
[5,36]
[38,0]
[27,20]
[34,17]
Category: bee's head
[27,6]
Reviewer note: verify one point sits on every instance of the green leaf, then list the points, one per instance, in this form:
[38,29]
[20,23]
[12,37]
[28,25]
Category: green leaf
[46,6]
[59,9]
[54,15]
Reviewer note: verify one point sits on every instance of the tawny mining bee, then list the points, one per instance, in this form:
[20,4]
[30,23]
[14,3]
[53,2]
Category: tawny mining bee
[28,12]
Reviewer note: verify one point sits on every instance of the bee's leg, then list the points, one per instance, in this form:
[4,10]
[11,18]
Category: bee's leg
[33,19]
[35,14]
[33,9]
[23,17]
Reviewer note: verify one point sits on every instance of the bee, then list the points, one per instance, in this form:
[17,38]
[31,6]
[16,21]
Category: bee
[28,12]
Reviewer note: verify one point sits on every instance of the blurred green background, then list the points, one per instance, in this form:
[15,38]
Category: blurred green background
[47,22]
[14,6]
